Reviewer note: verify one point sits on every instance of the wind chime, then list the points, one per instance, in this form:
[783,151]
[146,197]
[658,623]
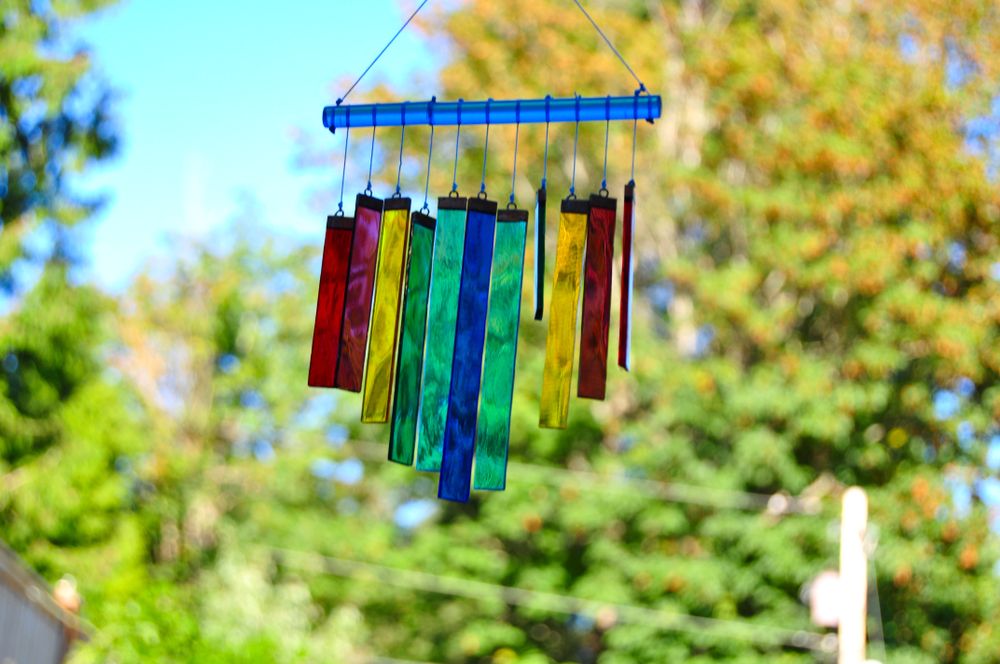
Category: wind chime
[420,314]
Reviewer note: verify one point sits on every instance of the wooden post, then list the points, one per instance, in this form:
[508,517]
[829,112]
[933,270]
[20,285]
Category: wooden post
[853,577]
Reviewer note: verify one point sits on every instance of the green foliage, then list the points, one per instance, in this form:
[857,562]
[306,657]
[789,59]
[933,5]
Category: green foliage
[800,308]
[56,123]
[802,204]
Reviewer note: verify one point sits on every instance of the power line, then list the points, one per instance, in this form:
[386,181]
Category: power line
[713,497]
[761,635]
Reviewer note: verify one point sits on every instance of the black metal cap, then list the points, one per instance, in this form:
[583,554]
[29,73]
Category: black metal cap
[453,203]
[575,206]
[512,216]
[421,219]
[483,205]
[397,203]
[368,202]
[604,202]
[340,222]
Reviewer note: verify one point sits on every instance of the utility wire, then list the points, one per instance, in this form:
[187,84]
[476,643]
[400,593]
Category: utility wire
[762,635]
[877,637]
[713,497]
[385,48]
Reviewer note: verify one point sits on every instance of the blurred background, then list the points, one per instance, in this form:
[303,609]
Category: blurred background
[818,306]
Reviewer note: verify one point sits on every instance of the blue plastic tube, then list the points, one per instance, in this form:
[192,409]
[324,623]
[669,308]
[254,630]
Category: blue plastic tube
[514,111]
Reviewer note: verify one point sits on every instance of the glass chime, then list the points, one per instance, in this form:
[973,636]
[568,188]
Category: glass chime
[420,312]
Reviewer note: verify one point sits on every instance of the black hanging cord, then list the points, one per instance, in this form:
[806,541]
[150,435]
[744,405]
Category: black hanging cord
[371,160]
[430,150]
[517,134]
[458,134]
[576,141]
[343,173]
[610,45]
[607,131]
[380,53]
[545,161]
[486,150]
[635,124]
[399,169]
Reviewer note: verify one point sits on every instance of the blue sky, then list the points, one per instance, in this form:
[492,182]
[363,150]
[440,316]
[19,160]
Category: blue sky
[210,95]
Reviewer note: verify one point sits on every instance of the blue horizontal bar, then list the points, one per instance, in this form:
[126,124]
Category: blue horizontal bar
[522,111]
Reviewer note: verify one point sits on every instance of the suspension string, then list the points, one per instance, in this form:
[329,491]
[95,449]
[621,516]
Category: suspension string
[380,53]
[399,169]
[635,124]
[610,45]
[517,134]
[427,182]
[486,149]
[343,172]
[458,134]
[607,131]
[576,140]
[430,150]
[371,160]
[545,161]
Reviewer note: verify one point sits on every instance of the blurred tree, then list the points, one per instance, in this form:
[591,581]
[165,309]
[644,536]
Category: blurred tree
[819,277]
[56,122]
[212,339]
[57,459]
[819,307]
[68,426]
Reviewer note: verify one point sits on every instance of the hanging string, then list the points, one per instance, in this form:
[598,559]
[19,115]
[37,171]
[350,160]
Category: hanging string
[576,140]
[399,169]
[607,131]
[610,45]
[430,150]
[343,173]
[545,161]
[427,183]
[458,134]
[517,134]
[380,53]
[486,149]
[635,124]
[371,160]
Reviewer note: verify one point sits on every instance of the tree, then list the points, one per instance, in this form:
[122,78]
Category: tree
[819,308]
[67,426]
[56,123]
[211,338]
